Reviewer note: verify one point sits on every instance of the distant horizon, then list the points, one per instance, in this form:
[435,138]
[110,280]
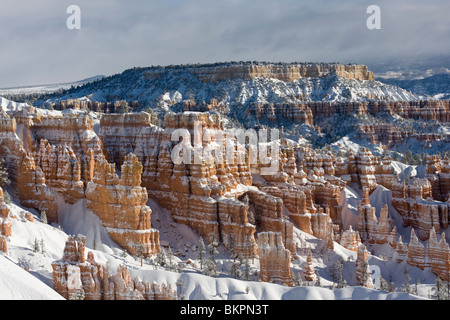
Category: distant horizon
[99,76]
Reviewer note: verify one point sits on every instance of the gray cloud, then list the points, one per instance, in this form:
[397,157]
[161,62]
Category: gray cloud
[115,35]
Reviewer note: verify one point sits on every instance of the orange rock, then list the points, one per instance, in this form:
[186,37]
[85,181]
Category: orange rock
[121,205]
[363,275]
[308,271]
[274,259]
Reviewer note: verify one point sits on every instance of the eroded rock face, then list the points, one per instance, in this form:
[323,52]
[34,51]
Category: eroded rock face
[274,258]
[32,189]
[75,131]
[75,275]
[415,205]
[62,170]
[363,275]
[438,173]
[308,271]
[434,254]
[350,239]
[121,205]
[5,224]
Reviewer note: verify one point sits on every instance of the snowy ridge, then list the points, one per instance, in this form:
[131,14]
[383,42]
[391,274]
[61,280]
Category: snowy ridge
[164,87]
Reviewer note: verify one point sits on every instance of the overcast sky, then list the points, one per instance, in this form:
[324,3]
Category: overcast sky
[38,48]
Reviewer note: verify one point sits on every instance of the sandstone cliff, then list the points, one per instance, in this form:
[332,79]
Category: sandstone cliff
[76,277]
[121,205]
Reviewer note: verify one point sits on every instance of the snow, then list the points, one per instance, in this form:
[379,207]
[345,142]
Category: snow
[18,284]
[77,219]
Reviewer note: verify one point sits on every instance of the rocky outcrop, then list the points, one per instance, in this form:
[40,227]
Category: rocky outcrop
[62,170]
[269,217]
[121,205]
[418,209]
[365,169]
[5,224]
[438,173]
[274,258]
[75,131]
[308,270]
[371,229]
[32,190]
[235,229]
[350,239]
[384,172]
[285,72]
[76,277]
[434,254]
[363,275]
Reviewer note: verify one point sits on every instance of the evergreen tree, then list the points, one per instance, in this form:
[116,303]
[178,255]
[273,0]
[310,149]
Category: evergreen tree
[384,285]
[36,246]
[318,282]
[44,216]
[406,287]
[181,289]
[43,251]
[440,290]
[141,252]
[161,258]
[4,175]
[201,252]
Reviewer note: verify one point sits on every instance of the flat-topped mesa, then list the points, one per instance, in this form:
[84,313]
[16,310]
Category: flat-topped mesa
[286,71]
[121,205]
[274,259]
[414,203]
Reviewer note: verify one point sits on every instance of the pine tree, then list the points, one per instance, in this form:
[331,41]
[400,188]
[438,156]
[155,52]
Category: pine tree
[36,246]
[141,252]
[43,251]
[201,252]
[44,216]
[180,286]
[161,258]
[4,175]
[318,282]
[440,290]
[246,272]
[170,256]
[406,287]
[384,285]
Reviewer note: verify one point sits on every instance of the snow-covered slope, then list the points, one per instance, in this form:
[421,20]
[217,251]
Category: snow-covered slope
[437,85]
[165,86]
[18,284]
[36,283]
